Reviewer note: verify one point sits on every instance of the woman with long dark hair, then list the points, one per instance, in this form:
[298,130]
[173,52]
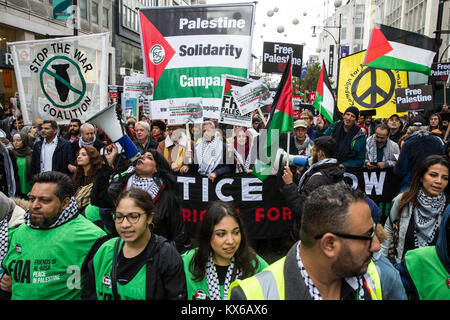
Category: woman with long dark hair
[416,213]
[152,174]
[88,163]
[223,254]
[139,264]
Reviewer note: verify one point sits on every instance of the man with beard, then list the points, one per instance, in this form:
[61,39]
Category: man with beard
[324,170]
[349,136]
[48,253]
[332,260]
[74,130]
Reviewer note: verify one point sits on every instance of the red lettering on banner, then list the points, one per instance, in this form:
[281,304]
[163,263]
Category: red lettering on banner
[192,216]
[286,213]
[269,214]
[258,214]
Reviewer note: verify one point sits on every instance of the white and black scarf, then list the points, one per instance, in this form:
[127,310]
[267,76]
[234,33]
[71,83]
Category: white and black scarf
[311,168]
[427,213]
[213,280]
[240,163]
[4,245]
[152,186]
[209,155]
[357,283]
[68,214]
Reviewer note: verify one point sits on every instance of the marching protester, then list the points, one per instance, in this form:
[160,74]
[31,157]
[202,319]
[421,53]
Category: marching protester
[139,264]
[381,151]
[349,137]
[416,213]
[308,117]
[416,148]
[11,215]
[332,260]
[242,151]
[396,128]
[222,256]
[211,153]
[175,149]
[88,137]
[55,239]
[152,174]
[158,130]
[88,163]
[144,138]
[425,271]
[302,141]
[9,178]
[52,153]
[324,170]
[74,131]
[23,153]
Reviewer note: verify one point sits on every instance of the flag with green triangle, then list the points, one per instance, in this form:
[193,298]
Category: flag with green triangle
[281,119]
[324,100]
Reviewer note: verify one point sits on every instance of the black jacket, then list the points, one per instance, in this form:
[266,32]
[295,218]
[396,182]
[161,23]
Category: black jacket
[62,157]
[166,280]
[325,174]
[168,219]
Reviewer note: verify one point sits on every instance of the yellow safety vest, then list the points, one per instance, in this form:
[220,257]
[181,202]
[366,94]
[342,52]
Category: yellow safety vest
[269,283]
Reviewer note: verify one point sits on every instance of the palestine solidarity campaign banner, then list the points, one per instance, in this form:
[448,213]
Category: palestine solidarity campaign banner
[188,49]
[62,79]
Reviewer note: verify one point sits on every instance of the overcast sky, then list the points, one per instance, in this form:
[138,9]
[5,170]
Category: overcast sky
[288,10]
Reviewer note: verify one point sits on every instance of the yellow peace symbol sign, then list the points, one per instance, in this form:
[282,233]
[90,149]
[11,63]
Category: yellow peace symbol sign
[377,87]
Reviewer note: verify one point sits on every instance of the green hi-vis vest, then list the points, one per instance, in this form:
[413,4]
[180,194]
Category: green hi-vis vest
[46,264]
[428,273]
[269,284]
[103,260]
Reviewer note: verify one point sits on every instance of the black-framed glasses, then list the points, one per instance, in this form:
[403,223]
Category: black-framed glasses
[132,218]
[352,236]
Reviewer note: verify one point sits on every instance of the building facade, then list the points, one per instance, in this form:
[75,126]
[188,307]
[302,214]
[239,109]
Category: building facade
[22,20]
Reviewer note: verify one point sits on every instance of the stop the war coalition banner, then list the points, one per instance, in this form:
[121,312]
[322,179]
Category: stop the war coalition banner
[187,49]
[62,79]
[262,206]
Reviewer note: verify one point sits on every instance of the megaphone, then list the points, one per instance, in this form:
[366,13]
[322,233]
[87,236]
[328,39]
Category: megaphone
[283,159]
[108,121]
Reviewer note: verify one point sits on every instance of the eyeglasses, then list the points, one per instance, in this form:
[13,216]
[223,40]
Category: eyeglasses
[352,236]
[132,218]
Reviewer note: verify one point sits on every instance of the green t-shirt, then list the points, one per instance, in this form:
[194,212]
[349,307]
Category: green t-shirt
[194,287]
[133,290]
[46,264]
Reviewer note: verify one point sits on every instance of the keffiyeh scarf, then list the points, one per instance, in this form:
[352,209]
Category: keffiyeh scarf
[68,214]
[427,213]
[209,155]
[152,186]
[82,143]
[213,280]
[3,241]
[241,165]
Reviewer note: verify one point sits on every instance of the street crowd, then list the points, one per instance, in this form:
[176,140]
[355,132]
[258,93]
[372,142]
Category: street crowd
[78,220]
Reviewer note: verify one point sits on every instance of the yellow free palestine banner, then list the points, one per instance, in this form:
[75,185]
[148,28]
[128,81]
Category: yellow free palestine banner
[368,88]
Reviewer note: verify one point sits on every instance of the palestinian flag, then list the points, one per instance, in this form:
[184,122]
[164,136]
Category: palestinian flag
[392,48]
[281,118]
[324,100]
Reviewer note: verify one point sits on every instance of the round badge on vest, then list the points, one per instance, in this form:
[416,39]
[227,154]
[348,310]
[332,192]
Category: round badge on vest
[106,281]
[448,282]
[18,248]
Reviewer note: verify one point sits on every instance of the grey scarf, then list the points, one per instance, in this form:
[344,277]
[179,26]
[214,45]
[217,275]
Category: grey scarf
[314,165]
[82,143]
[427,213]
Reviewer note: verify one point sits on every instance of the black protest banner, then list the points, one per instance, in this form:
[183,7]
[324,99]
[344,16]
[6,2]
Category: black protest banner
[262,206]
[276,55]
[414,98]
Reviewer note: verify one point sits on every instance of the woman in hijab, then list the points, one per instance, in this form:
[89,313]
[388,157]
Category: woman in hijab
[241,151]
[22,151]
[416,213]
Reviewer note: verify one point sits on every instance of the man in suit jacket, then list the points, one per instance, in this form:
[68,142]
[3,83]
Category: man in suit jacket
[52,153]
